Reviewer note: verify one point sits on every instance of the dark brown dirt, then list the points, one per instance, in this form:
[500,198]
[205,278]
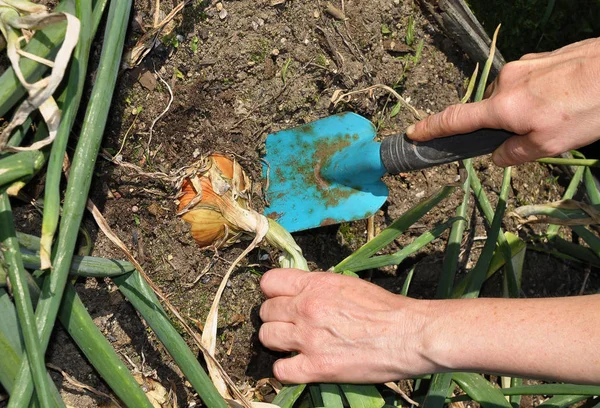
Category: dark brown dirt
[227,77]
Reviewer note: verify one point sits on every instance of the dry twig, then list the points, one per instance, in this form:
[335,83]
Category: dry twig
[338,97]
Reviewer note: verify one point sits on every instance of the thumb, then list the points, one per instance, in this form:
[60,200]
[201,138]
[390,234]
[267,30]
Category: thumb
[454,120]
[517,150]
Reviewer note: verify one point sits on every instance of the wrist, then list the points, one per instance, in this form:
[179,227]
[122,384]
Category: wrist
[419,338]
[437,337]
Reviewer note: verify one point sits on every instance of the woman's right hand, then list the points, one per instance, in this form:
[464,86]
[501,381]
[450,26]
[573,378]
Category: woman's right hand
[551,101]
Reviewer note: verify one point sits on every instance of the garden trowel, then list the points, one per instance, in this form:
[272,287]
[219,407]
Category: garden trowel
[330,170]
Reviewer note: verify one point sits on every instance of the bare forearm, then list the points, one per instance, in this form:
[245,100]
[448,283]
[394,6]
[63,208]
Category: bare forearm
[555,338]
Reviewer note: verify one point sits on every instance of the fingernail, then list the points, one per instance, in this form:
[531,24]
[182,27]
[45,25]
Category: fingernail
[410,130]
[497,159]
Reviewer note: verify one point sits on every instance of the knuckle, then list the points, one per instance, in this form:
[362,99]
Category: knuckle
[449,117]
[505,108]
[310,308]
[510,72]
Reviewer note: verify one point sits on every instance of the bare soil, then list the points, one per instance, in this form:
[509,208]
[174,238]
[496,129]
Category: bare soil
[235,79]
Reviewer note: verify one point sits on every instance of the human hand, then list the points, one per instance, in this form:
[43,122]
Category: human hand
[344,329]
[550,100]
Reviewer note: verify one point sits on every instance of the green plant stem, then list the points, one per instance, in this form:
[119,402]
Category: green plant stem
[97,14]
[79,184]
[569,193]
[77,321]
[394,230]
[19,166]
[480,390]
[289,395]
[141,296]
[84,266]
[16,274]
[504,247]
[590,186]
[479,272]
[450,265]
[73,92]
[397,258]
[570,162]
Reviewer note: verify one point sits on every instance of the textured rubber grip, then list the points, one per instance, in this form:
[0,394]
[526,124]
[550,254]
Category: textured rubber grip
[399,154]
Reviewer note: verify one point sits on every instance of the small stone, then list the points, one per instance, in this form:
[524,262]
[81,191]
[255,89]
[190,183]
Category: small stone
[275,52]
[260,22]
[196,153]
[283,40]
[169,257]
[203,34]
[180,38]
[219,6]
[254,25]
[306,41]
[316,14]
[223,14]
[135,209]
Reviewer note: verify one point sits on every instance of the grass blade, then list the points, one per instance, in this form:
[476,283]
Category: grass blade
[394,230]
[407,281]
[553,389]
[563,401]
[9,363]
[450,265]
[315,396]
[569,193]
[289,395]
[397,258]
[516,245]
[141,296]
[438,390]
[479,272]
[590,187]
[331,396]
[22,298]
[480,390]
[79,182]
[9,324]
[362,396]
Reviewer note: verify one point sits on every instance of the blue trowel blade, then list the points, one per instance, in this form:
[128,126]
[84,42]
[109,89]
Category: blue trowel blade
[323,173]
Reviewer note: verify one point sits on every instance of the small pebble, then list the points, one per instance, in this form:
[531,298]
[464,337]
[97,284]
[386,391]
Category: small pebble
[219,6]
[135,209]
[223,14]
[254,25]
[275,52]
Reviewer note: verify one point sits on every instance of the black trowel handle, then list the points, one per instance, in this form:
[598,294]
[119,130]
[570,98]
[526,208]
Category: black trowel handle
[400,154]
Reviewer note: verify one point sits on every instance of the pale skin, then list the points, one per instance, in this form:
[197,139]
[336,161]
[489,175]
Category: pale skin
[345,329]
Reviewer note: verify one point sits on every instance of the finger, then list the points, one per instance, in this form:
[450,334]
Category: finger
[534,55]
[283,282]
[277,309]
[517,150]
[454,120]
[279,336]
[295,370]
